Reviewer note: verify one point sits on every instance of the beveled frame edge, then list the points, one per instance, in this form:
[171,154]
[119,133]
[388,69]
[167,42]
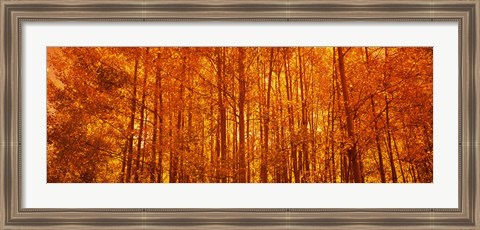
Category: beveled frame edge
[13,13]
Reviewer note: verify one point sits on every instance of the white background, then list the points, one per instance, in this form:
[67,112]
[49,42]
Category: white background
[443,193]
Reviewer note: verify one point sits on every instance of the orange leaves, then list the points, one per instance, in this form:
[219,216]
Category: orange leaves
[234,115]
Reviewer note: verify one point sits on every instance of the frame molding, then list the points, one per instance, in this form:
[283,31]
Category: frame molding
[13,13]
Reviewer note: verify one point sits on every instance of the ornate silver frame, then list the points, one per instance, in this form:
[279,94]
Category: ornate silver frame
[13,13]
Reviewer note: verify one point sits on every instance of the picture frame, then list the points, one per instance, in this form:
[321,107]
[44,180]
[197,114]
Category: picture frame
[14,13]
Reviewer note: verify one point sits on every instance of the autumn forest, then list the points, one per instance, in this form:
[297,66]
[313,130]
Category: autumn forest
[240,114]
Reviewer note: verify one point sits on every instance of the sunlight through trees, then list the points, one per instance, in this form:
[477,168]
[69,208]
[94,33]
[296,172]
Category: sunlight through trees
[240,114]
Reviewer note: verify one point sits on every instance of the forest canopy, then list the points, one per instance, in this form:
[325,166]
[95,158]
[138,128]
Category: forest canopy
[240,114]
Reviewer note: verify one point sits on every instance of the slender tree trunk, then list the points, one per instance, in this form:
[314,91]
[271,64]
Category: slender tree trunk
[291,121]
[304,122]
[281,136]
[234,164]
[161,122]
[218,142]
[142,159]
[241,108]
[354,159]
[389,141]
[266,126]
[377,141]
[387,121]
[247,151]
[175,154]
[186,106]
[124,161]
[345,170]
[142,114]
[158,81]
[332,131]
[153,154]
[222,112]
[419,177]
[412,173]
[342,158]
[398,157]
[131,128]
[375,125]
[172,172]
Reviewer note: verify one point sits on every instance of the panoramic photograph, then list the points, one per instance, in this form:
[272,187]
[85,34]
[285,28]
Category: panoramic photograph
[239,115]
